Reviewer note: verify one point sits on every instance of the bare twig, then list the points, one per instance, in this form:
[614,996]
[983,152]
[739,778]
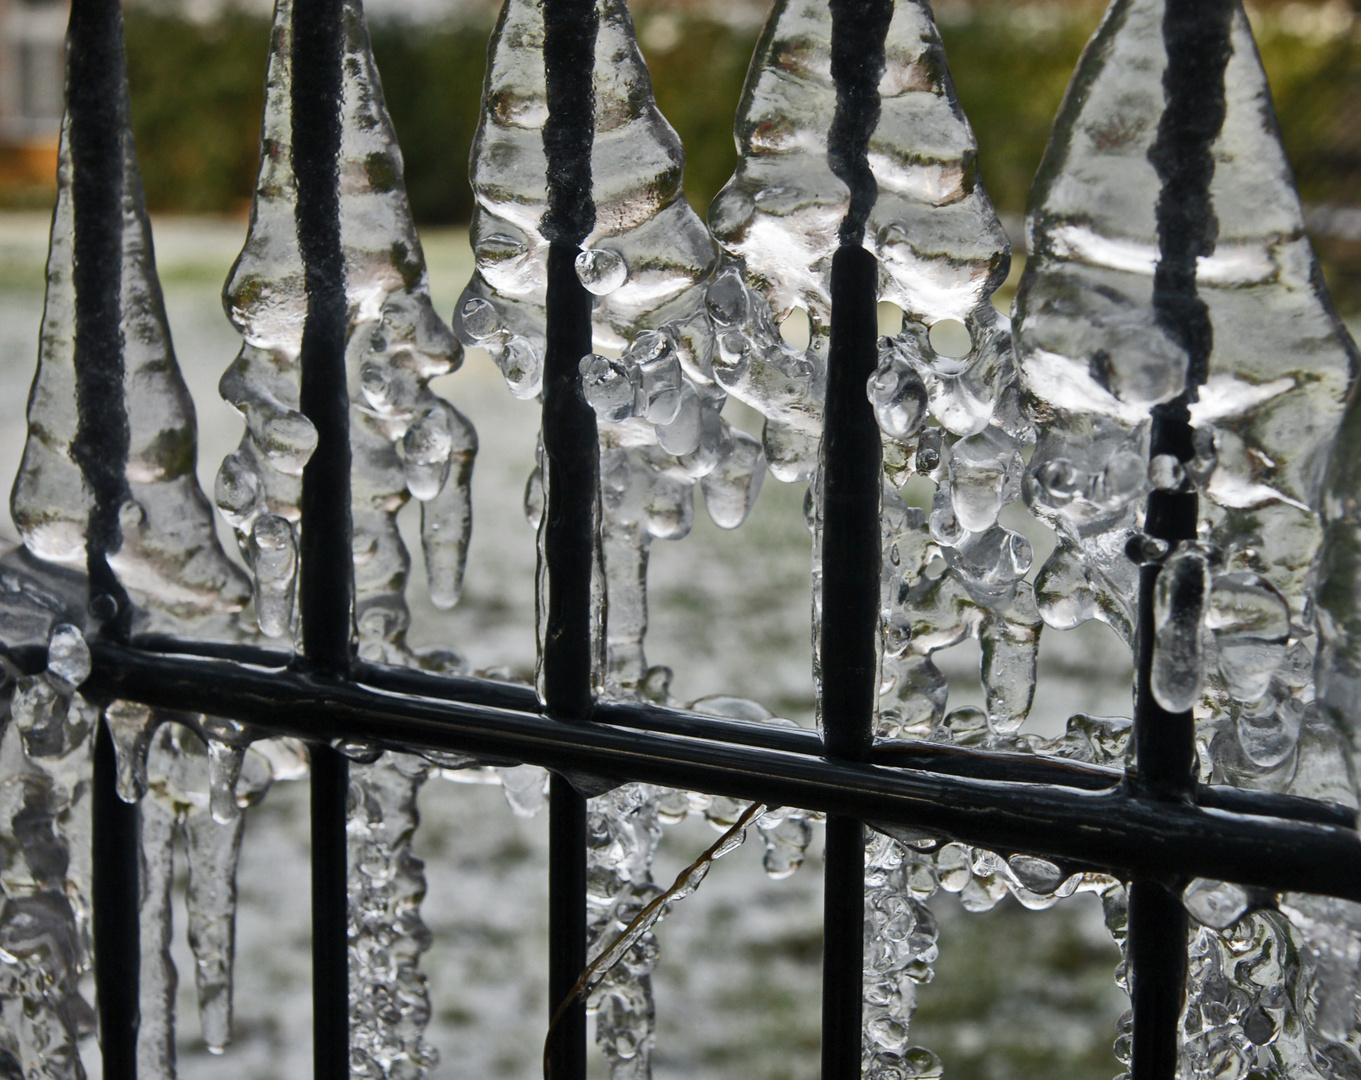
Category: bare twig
[686,881]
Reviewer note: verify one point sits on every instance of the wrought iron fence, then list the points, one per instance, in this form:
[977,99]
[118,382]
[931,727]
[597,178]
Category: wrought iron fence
[1154,825]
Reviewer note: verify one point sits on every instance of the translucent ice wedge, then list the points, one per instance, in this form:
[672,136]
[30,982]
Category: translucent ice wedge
[405,441]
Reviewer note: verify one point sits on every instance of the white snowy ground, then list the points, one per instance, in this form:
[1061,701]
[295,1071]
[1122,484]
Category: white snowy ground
[1017,994]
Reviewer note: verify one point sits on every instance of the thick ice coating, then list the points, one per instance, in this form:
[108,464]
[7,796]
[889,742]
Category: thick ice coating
[645,261]
[1233,609]
[405,441]
[168,556]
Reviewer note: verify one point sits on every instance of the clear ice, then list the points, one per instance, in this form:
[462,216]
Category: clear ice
[1234,610]
[647,263]
[178,580]
[406,442]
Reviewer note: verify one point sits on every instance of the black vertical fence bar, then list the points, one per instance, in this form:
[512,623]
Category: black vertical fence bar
[572,466]
[326,581]
[97,110]
[851,479]
[1196,37]
[115,839]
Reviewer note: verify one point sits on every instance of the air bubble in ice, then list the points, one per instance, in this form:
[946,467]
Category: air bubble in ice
[601,270]
[1216,904]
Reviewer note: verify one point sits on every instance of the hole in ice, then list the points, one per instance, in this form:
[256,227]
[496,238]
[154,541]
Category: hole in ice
[795,329]
[890,318]
[950,337]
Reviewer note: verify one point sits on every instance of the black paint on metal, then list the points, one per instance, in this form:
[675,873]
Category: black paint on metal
[97,105]
[116,843]
[571,482]
[1196,37]
[326,575]
[1156,950]
[1130,834]
[330,784]
[326,571]
[566,926]
[934,758]
[850,481]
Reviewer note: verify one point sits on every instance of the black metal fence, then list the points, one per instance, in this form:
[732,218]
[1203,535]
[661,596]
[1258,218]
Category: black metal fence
[1155,827]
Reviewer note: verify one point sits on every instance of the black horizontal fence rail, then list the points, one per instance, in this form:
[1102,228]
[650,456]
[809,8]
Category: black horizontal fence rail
[1153,826]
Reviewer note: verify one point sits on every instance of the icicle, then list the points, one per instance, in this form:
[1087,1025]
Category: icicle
[389,1003]
[169,560]
[184,796]
[1271,400]
[158,978]
[647,262]
[45,770]
[1233,611]
[622,833]
[900,947]
[941,255]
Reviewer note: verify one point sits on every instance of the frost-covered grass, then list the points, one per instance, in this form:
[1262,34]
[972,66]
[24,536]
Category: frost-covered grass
[1016,995]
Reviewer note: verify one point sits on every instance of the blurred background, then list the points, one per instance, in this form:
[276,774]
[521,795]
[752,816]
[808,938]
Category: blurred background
[1017,995]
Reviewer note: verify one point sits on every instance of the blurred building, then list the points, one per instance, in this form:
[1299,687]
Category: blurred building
[32,74]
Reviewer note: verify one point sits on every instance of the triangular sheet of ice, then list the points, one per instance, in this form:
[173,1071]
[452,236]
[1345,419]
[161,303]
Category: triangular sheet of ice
[405,440]
[1095,360]
[940,247]
[169,559]
[647,248]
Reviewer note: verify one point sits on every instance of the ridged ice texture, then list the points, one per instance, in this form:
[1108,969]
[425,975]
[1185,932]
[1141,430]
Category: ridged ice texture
[389,1001]
[405,441]
[45,768]
[169,559]
[1095,361]
[646,262]
[1233,611]
[178,579]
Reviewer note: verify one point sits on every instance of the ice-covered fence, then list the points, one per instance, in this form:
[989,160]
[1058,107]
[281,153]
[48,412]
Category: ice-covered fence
[1170,407]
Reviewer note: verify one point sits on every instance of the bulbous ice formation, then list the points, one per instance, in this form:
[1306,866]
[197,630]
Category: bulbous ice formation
[1097,358]
[405,440]
[1234,608]
[952,419]
[645,261]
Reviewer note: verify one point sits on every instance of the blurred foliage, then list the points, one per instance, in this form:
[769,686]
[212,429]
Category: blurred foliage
[197,94]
